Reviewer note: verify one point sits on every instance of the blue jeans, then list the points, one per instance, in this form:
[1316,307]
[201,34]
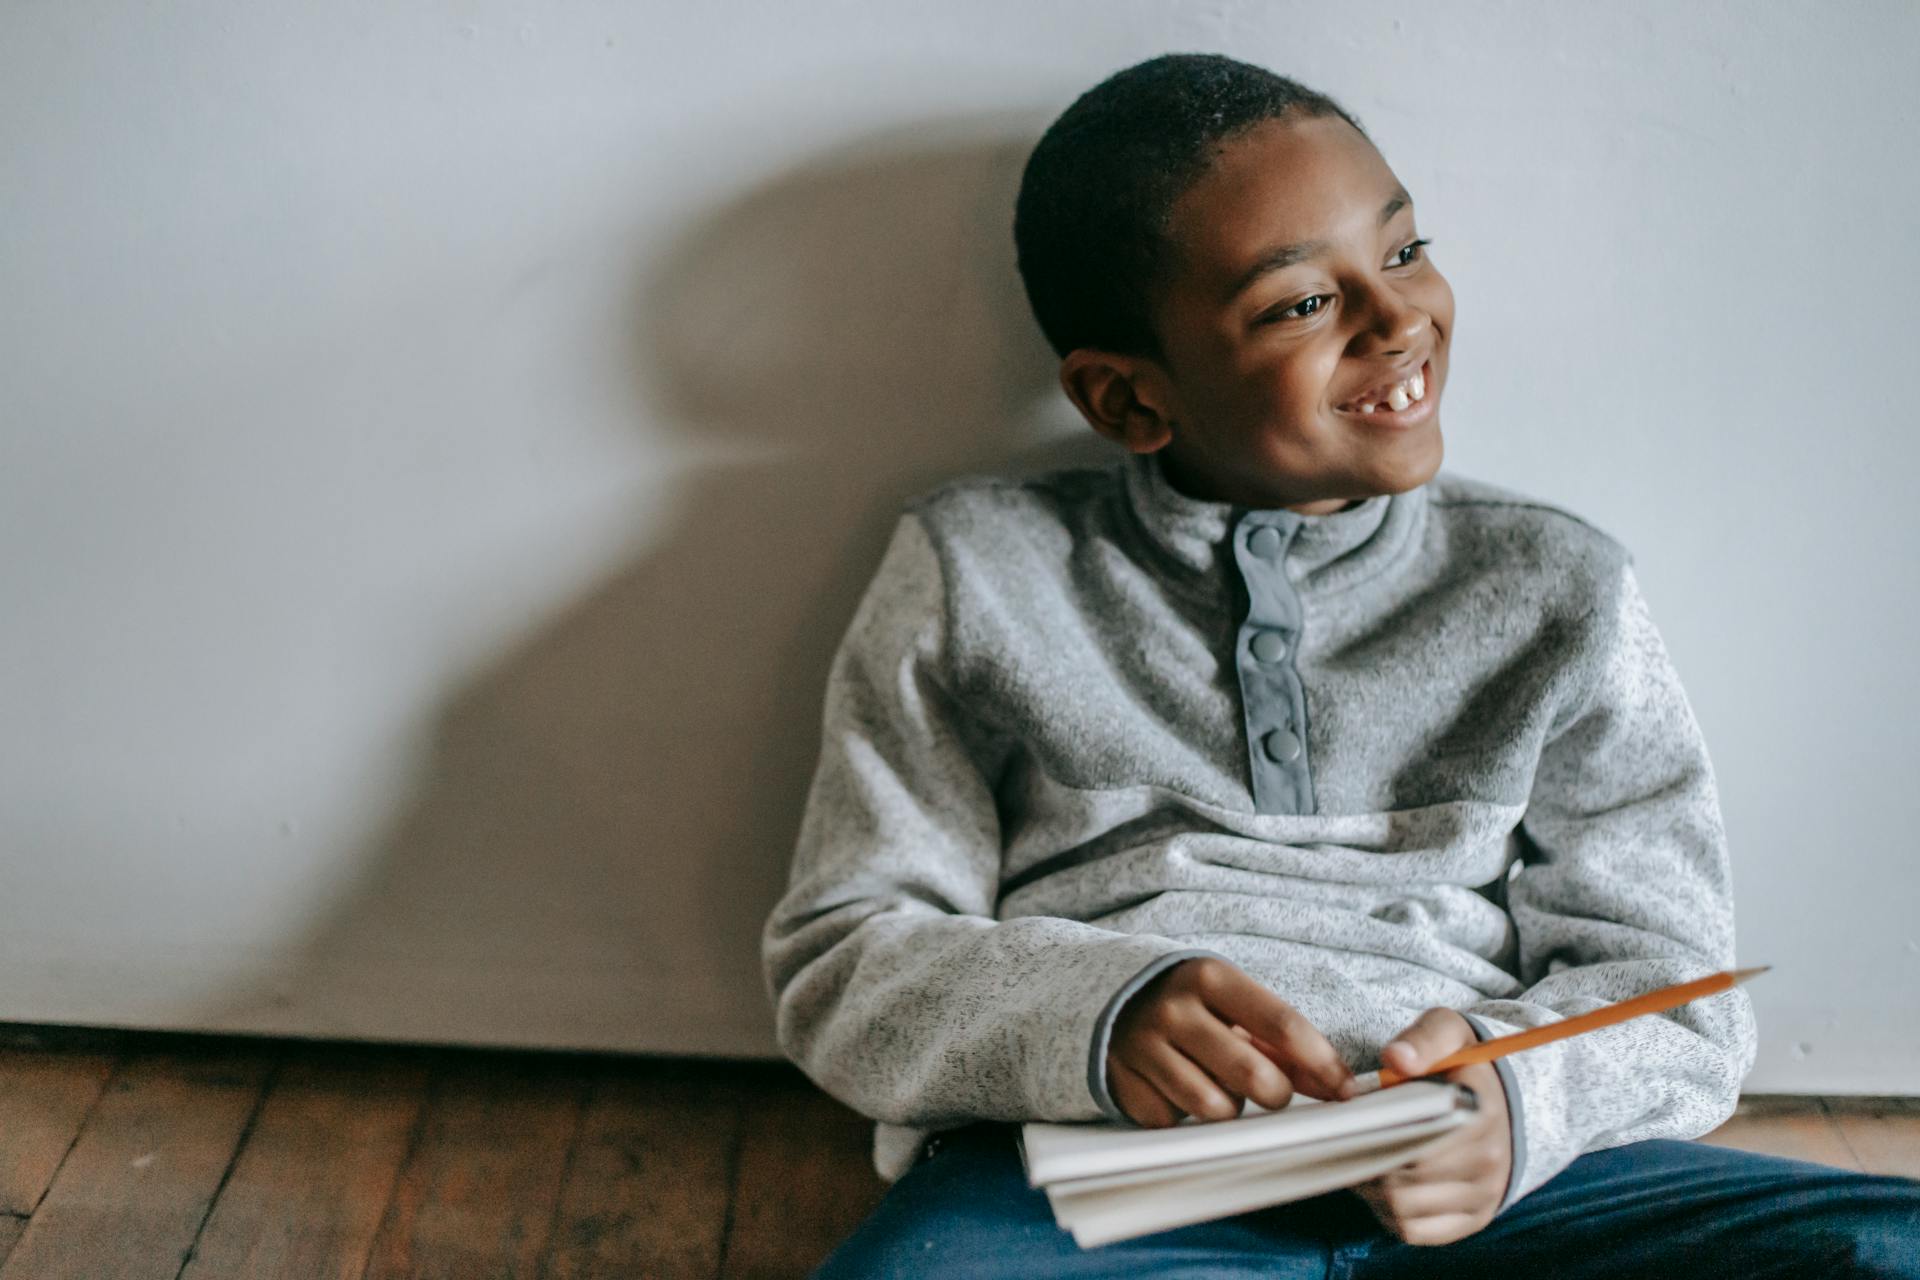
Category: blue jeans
[1660,1210]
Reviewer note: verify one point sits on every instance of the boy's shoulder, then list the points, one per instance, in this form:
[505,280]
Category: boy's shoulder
[1059,493]
[999,507]
[1522,521]
[997,522]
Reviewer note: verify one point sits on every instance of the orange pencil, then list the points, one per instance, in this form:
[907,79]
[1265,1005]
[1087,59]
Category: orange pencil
[1501,1046]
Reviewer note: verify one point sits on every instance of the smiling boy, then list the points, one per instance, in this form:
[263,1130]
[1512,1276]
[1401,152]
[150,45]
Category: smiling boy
[1270,753]
[1290,390]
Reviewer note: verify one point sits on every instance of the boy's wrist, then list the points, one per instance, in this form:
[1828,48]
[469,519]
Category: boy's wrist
[1510,1086]
[1103,1028]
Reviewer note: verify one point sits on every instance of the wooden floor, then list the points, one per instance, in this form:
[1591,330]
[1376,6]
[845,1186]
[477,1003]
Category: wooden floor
[135,1154]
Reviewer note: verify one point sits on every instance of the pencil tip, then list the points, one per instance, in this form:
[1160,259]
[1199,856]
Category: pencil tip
[1741,975]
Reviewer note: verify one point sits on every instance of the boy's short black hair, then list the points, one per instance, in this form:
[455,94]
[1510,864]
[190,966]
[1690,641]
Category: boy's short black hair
[1090,222]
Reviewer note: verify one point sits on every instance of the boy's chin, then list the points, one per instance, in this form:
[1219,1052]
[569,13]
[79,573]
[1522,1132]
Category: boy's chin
[1399,474]
[1398,478]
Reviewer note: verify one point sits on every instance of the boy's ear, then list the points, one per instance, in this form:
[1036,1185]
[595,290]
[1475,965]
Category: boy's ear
[1121,397]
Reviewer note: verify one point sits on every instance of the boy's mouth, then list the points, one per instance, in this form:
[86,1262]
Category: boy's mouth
[1398,402]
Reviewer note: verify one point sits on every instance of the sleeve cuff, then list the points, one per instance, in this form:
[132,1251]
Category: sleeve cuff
[1516,1116]
[1103,1028]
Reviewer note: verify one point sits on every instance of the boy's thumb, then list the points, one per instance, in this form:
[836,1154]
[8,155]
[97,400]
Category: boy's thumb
[1433,1035]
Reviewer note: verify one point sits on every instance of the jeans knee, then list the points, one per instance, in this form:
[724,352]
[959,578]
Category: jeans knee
[1878,1239]
[860,1258]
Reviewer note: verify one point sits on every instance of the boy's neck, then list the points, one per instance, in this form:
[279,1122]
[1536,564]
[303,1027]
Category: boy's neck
[1202,491]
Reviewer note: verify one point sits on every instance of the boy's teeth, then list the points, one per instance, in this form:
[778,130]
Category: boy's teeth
[1412,391]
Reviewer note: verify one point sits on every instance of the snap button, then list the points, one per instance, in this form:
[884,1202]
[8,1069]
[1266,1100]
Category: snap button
[1269,646]
[1282,746]
[1265,542]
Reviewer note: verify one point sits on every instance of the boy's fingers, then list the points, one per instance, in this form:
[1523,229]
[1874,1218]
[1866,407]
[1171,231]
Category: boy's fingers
[1138,1098]
[1444,1229]
[1266,1049]
[1298,1047]
[1186,1085]
[1241,1069]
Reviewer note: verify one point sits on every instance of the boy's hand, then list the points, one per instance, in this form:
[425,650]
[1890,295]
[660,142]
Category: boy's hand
[1204,1036]
[1455,1189]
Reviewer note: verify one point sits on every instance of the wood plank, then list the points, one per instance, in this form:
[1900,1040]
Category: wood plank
[61,1039]
[45,1095]
[1797,1128]
[481,1163]
[477,1196]
[131,1196]
[1884,1133]
[310,1187]
[805,1179]
[648,1191]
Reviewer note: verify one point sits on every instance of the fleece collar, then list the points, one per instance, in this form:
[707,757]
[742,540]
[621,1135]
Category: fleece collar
[1323,553]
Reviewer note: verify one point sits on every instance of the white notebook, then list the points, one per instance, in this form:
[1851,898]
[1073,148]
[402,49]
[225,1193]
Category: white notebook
[1110,1181]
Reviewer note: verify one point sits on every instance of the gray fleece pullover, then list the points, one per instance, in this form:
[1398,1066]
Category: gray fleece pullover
[1426,751]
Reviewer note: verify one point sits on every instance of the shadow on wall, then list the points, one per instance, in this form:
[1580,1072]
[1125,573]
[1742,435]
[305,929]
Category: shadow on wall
[605,817]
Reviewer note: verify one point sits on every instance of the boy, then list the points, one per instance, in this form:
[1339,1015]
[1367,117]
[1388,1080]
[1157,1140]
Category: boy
[1266,755]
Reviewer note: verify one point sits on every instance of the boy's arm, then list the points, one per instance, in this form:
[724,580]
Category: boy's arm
[894,987]
[1626,887]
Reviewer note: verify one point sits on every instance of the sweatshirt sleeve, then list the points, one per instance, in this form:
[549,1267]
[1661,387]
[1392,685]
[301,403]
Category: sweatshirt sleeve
[894,987]
[1624,886]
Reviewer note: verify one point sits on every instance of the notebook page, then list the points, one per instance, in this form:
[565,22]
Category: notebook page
[1285,1158]
[1055,1152]
[1124,1213]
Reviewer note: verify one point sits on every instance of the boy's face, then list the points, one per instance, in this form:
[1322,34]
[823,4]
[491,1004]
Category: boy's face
[1259,398]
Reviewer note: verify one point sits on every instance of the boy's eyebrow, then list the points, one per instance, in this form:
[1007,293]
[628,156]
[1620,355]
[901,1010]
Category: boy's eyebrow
[1287,255]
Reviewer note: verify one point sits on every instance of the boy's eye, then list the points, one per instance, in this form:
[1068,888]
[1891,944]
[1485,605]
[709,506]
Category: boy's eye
[1410,253]
[1302,309]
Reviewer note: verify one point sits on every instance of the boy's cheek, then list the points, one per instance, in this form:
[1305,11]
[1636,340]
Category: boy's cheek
[1437,302]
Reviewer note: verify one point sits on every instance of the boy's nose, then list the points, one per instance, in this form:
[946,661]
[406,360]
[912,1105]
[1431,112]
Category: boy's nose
[1396,322]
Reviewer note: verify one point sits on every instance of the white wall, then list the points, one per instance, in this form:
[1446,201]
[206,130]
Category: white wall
[440,446]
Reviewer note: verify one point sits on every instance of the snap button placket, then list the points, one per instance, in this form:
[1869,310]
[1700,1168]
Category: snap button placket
[1268,648]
